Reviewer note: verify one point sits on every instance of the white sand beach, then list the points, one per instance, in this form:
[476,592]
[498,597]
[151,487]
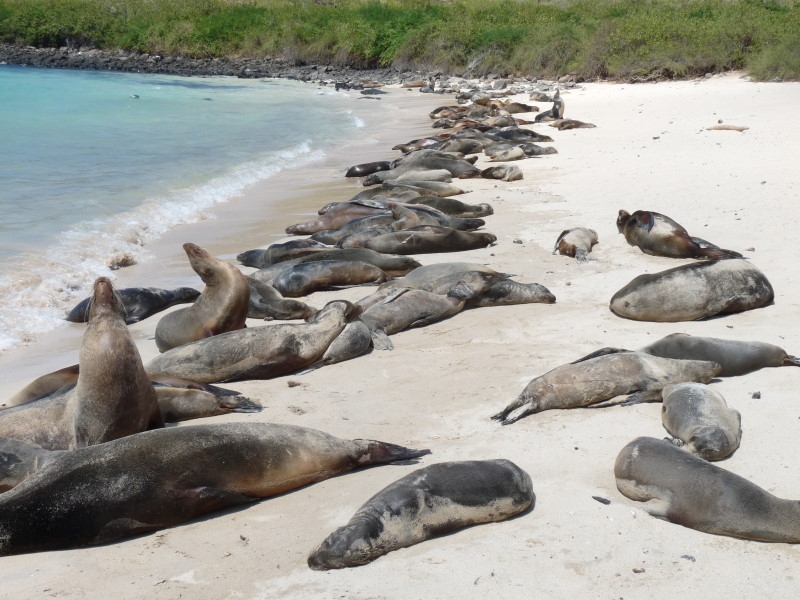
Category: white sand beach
[438,387]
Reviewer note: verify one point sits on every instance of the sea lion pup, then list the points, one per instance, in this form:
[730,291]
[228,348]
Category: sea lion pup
[139,303]
[267,303]
[563,124]
[306,278]
[222,305]
[682,488]
[365,169]
[113,396]
[577,243]
[699,420]
[736,357]
[276,253]
[171,476]
[694,291]
[429,502]
[257,352]
[429,239]
[658,235]
[503,173]
[602,378]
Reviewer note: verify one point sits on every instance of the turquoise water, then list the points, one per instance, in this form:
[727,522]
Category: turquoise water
[93,165]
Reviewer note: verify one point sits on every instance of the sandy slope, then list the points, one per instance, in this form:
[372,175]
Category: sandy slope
[650,151]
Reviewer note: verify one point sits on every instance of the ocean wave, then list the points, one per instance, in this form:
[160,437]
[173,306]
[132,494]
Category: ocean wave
[37,288]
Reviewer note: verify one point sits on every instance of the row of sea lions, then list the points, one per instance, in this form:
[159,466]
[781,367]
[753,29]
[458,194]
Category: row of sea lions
[272,458]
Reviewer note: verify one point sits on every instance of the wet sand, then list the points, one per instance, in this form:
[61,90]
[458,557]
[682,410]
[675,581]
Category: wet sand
[437,389]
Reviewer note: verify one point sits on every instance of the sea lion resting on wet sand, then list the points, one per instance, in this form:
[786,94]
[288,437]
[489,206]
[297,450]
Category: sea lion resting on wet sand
[429,502]
[685,489]
[695,291]
[170,476]
[736,357]
[257,352]
[139,303]
[222,305]
[603,378]
[658,235]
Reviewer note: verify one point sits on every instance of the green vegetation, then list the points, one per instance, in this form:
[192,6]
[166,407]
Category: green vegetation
[628,39]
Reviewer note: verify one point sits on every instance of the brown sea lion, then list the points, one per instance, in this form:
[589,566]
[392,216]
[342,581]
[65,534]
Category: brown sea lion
[276,253]
[222,305]
[699,420]
[429,502]
[257,352]
[694,291]
[603,378]
[305,278]
[658,235]
[162,478]
[682,488]
[112,398]
[577,243]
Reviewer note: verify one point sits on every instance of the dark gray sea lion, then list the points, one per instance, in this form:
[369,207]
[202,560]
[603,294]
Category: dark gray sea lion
[514,108]
[555,112]
[257,352]
[394,265]
[161,478]
[276,253]
[428,239]
[427,275]
[695,291]
[365,169]
[421,160]
[518,134]
[462,145]
[358,239]
[139,303]
[113,396]
[602,378]
[577,243]
[736,357]
[267,303]
[355,340]
[221,307]
[432,501]
[563,124]
[503,173]
[685,489]
[699,419]
[306,278]
[658,235]
[532,149]
[454,207]
[507,292]
[334,236]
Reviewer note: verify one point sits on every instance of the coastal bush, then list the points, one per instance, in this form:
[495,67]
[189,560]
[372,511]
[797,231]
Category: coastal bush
[626,39]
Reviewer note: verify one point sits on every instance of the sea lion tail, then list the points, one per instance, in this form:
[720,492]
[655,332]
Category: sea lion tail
[602,352]
[790,361]
[384,452]
[519,408]
[719,253]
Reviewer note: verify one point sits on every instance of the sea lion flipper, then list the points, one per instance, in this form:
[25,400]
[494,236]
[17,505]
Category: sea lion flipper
[642,396]
[380,340]
[791,361]
[602,352]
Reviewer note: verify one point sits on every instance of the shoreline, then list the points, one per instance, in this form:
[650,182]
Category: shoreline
[436,390]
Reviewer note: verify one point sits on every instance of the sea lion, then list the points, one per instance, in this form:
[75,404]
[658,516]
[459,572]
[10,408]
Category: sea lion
[364,169]
[267,303]
[454,207]
[507,292]
[276,253]
[334,217]
[427,275]
[222,305]
[139,303]
[602,378]
[113,396]
[682,488]
[429,502]
[658,235]
[564,124]
[358,239]
[305,278]
[518,134]
[736,357]
[429,239]
[555,112]
[257,352]
[694,291]
[425,160]
[503,173]
[700,421]
[577,243]
[355,340]
[509,154]
[161,478]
